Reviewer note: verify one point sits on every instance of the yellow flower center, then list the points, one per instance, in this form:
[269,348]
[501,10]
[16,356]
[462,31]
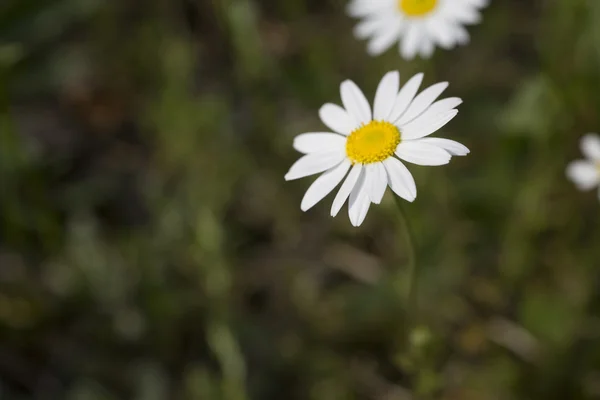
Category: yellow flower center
[373,142]
[417,8]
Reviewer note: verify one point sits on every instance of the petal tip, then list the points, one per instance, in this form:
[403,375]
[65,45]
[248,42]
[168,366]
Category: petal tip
[334,210]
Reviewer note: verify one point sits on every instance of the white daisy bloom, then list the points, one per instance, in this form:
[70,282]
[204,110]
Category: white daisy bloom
[419,25]
[586,173]
[366,143]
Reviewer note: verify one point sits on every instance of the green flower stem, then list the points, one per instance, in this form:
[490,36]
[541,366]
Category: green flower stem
[411,282]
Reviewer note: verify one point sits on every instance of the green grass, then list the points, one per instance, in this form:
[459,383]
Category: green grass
[150,248]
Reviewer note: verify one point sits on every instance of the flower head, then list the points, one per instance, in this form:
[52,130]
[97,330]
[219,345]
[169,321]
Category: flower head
[586,173]
[419,25]
[369,143]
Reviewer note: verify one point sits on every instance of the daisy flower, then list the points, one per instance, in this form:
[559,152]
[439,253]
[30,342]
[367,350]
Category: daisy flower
[419,25]
[369,143]
[586,173]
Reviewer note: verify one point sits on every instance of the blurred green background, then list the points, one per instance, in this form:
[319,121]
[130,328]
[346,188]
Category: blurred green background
[150,248]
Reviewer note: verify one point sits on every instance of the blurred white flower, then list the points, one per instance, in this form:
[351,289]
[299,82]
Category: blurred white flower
[586,173]
[365,142]
[419,25]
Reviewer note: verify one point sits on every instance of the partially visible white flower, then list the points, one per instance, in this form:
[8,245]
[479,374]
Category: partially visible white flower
[366,142]
[586,173]
[419,25]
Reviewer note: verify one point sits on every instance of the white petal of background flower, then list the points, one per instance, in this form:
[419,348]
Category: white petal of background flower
[584,174]
[412,40]
[384,22]
[361,8]
[385,38]
[462,35]
[465,15]
[369,26]
[590,146]
[427,47]
[440,32]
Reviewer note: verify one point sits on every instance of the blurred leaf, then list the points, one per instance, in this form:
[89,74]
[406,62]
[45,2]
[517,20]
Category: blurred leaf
[534,110]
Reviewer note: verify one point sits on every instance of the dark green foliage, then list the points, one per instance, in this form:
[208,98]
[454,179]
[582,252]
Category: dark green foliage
[150,248]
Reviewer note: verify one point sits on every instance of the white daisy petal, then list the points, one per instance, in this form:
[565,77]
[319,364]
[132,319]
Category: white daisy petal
[316,142]
[359,202]
[315,163]
[462,35]
[441,32]
[438,108]
[368,183]
[584,174]
[465,15]
[590,146]
[364,209]
[361,8]
[420,153]
[337,119]
[370,26]
[427,48]
[386,95]
[422,127]
[324,185]
[355,102]
[400,179]
[405,97]
[411,41]
[378,181]
[479,3]
[384,39]
[422,102]
[452,147]
[346,188]
[366,144]
[418,26]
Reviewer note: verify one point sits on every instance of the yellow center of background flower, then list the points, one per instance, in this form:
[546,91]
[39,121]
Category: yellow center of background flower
[373,142]
[417,8]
